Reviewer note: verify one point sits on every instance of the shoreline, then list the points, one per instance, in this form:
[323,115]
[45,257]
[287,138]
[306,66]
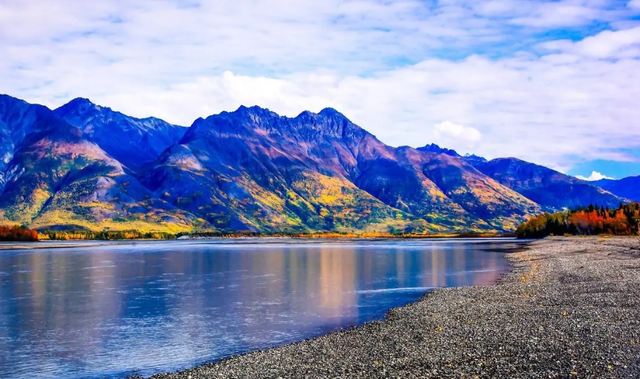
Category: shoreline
[69,244]
[39,245]
[569,307]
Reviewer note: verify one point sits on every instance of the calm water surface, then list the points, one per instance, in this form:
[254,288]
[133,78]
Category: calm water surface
[105,311]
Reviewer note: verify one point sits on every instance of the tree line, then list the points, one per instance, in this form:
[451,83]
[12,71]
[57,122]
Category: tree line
[591,220]
[111,235]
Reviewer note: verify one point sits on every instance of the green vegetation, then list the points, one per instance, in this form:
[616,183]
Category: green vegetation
[591,220]
[331,235]
[104,235]
[17,233]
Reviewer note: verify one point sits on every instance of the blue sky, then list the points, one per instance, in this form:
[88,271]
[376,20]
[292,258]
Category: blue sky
[552,82]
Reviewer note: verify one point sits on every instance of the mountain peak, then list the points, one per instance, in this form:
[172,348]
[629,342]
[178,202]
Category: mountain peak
[79,108]
[83,107]
[81,100]
[331,112]
[328,122]
[81,103]
[433,148]
[254,109]
[9,104]
[249,114]
[7,98]
[306,114]
[132,141]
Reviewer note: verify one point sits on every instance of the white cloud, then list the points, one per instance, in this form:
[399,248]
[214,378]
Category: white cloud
[607,44]
[634,4]
[460,137]
[396,68]
[594,176]
[560,14]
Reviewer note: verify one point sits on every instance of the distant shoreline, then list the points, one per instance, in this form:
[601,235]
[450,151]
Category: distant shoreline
[36,245]
[67,244]
[568,308]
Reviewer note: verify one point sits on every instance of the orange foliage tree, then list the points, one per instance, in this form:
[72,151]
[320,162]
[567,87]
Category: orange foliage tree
[17,233]
[584,221]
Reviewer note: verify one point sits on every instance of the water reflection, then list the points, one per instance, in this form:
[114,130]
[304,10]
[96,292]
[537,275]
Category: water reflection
[100,311]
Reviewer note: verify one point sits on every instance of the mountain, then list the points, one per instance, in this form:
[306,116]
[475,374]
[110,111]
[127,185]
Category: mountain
[15,117]
[131,141]
[87,166]
[474,160]
[255,169]
[433,148]
[628,188]
[54,177]
[549,188]
[251,169]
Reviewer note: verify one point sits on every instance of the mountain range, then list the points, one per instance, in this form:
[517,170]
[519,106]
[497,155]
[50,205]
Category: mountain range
[628,188]
[85,166]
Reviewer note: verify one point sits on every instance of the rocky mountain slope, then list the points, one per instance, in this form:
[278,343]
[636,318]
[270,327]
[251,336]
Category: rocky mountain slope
[130,140]
[628,188]
[549,188]
[53,176]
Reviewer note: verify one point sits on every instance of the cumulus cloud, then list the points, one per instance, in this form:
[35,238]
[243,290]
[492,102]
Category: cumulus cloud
[395,68]
[607,44]
[562,13]
[460,137]
[594,176]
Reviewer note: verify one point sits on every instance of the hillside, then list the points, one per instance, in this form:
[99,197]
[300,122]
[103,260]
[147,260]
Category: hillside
[132,141]
[628,188]
[54,177]
[549,188]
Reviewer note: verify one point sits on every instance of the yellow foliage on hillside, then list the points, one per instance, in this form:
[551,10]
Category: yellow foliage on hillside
[65,218]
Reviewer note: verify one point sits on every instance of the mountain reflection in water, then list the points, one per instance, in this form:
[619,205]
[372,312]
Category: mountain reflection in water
[161,306]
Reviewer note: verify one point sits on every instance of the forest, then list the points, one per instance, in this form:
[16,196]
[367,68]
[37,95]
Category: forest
[339,235]
[24,234]
[104,235]
[591,220]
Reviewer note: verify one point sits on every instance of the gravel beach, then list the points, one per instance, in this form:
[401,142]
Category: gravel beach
[569,309]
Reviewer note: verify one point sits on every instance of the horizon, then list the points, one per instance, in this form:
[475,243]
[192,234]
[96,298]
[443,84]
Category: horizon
[479,78]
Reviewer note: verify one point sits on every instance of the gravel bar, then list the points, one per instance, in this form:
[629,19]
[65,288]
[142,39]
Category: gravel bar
[570,308]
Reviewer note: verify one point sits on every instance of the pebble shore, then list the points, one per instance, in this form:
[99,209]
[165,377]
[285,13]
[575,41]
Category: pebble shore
[570,308]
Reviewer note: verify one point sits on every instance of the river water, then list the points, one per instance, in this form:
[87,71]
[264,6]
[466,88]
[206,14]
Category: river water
[108,311]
